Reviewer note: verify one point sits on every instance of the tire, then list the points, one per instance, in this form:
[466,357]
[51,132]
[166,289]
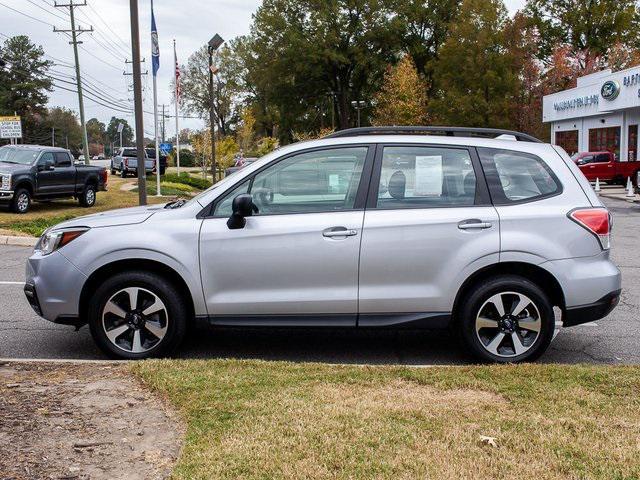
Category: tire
[169,324]
[88,196]
[479,313]
[123,172]
[21,201]
[162,170]
[113,171]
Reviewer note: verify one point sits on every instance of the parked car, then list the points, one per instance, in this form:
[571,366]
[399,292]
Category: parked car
[606,167]
[239,164]
[33,172]
[126,161]
[481,235]
[151,153]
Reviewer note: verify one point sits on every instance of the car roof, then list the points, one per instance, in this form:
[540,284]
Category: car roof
[38,147]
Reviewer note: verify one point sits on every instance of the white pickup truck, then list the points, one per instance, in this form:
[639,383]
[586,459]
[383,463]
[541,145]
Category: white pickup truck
[126,161]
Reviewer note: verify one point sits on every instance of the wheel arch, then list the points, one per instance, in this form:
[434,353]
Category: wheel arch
[541,277]
[135,264]
[25,183]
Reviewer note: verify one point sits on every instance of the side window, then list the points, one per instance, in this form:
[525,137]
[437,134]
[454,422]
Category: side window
[223,207]
[46,157]
[587,159]
[602,158]
[62,159]
[319,181]
[423,177]
[517,176]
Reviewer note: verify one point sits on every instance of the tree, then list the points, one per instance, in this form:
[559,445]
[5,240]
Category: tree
[476,79]
[68,132]
[403,98]
[195,86]
[96,131]
[590,28]
[246,129]
[422,27]
[114,136]
[24,83]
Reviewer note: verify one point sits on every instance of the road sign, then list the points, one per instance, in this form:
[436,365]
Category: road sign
[10,127]
[166,148]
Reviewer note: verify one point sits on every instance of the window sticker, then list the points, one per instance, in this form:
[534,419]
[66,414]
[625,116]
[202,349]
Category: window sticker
[429,176]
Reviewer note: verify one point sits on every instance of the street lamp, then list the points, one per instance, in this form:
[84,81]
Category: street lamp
[213,45]
[358,105]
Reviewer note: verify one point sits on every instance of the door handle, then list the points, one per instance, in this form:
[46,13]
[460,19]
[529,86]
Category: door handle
[338,232]
[474,224]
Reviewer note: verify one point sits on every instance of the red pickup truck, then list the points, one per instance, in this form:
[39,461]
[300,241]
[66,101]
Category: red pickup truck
[605,166]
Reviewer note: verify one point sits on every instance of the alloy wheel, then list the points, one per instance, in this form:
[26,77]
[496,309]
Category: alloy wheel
[23,202]
[508,324]
[135,319]
[90,196]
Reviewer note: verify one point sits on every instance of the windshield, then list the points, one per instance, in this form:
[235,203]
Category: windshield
[575,156]
[23,156]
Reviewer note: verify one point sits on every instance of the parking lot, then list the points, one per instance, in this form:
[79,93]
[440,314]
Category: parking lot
[613,340]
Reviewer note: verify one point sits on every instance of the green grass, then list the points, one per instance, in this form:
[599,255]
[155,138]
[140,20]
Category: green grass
[270,420]
[36,226]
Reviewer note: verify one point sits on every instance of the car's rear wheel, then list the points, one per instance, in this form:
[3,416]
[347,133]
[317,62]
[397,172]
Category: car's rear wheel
[21,201]
[137,315]
[507,319]
[88,196]
[123,171]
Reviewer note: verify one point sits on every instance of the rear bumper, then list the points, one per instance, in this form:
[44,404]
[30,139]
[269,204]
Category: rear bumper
[591,312]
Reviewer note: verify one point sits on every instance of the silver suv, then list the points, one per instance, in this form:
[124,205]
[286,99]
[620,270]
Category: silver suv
[481,231]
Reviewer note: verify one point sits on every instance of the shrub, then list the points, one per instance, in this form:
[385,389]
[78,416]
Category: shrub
[186,179]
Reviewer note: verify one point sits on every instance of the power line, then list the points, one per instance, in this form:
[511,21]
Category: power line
[127,46]
[27,15]
[46,10]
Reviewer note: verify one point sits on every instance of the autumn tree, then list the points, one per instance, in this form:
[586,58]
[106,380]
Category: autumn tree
[476,83]
[402,99]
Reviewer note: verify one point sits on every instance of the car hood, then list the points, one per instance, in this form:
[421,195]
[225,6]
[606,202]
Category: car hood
[13,168]
[112,218]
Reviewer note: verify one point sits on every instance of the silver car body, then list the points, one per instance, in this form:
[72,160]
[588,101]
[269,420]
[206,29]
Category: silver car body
[397,267]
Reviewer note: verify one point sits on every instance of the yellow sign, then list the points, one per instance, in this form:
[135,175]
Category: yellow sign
[10,127]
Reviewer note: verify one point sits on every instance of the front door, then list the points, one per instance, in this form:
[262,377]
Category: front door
[428,225]
[46,179]
[296,259]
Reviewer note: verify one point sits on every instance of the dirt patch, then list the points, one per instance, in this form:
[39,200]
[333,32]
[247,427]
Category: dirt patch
[82,421]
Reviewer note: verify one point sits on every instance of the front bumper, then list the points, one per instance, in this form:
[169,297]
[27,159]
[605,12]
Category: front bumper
[591,312]
[53,286]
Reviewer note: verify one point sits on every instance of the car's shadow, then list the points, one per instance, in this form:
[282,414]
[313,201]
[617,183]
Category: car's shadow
[348,346]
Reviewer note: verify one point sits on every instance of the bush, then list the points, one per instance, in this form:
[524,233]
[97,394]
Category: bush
[186,158]
[186,179]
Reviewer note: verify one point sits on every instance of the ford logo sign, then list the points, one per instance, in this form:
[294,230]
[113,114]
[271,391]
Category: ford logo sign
[610,90]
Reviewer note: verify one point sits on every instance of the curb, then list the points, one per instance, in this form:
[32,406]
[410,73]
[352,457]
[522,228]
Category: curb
[5,361]
[619,196]
[18,241]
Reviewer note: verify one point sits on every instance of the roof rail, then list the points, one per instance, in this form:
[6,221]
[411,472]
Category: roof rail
[434,130]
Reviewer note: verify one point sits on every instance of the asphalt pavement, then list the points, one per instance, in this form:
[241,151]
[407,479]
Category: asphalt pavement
[613,340]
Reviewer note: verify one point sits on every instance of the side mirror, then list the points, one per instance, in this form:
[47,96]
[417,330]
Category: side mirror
[242,207]
[46,166]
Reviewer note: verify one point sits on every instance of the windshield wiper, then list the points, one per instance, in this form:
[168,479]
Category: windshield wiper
[175,204]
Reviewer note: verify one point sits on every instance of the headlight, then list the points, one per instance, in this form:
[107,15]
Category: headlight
[5,182]
[51,240]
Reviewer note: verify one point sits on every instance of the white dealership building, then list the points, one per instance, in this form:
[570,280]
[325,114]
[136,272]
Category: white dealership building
[601,113]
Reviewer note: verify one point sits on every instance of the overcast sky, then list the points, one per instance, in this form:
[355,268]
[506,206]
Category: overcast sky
[190,22]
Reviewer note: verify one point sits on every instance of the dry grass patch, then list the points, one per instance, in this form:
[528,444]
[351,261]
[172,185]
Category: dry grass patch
[280,420]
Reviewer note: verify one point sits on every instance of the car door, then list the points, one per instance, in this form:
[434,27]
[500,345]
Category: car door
[602,167]
[588,167]
[46,179]
[64,174]
[296,259]
[428,225]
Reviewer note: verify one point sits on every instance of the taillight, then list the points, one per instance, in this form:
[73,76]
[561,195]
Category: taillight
[595,220]
[126,162]
[103,176]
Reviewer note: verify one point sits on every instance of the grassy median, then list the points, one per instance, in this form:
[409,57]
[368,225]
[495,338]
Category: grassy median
[253,419]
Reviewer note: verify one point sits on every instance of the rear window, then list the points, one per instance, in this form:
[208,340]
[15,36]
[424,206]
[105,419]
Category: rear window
[130,152]
[517,176]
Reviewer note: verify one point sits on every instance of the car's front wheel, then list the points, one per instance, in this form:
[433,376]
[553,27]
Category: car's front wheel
[21,201]
[136,315]
[507,319]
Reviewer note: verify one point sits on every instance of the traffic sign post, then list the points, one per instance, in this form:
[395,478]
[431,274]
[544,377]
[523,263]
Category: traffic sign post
[10,127]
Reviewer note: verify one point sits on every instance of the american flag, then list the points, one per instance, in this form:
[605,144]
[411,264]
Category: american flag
[177,75]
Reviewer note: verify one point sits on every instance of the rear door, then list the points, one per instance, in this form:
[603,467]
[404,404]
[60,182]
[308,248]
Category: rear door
[428,224]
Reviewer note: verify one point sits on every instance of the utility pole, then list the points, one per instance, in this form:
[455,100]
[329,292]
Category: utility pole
[74,41]
[53,136]
[137,99]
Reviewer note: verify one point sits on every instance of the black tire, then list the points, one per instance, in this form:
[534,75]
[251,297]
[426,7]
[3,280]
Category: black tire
[123,172]
[485,290]
[176,309]
[88,196]
[21,201]
[162,170]
[113,171]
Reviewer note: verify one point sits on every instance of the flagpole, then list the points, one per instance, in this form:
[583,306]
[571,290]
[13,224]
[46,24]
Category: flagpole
[155,57]
[177,98]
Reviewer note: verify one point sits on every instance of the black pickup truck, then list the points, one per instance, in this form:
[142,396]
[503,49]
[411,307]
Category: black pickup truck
[33,172]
